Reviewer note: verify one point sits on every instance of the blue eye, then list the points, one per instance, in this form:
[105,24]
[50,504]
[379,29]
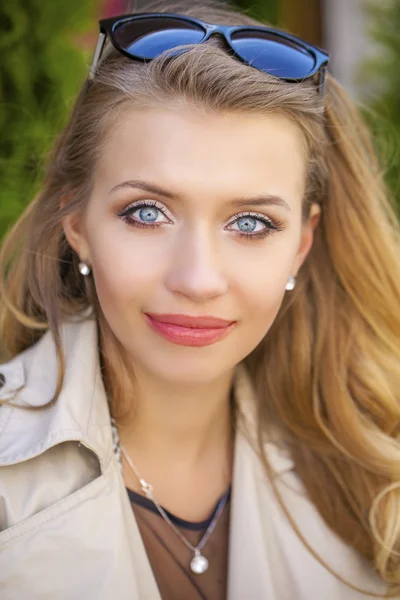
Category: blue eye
[254,226]
[148,214]
[247,224]
[143,214]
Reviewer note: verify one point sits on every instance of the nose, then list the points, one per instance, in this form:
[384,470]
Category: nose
[196,271]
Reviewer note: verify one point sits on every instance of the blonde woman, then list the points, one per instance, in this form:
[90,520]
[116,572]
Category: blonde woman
[201,314]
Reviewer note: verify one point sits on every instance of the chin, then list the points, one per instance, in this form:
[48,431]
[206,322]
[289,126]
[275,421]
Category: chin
[186,371]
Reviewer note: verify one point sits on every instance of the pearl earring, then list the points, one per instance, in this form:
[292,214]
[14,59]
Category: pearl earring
[84,269]
[291,284]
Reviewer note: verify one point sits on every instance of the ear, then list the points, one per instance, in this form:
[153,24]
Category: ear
[74,230]
[307,237]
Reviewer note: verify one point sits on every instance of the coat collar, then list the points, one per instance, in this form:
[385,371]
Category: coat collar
[81,411]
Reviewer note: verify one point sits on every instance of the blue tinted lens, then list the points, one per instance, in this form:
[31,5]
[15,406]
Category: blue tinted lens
[273,54]
[147,38]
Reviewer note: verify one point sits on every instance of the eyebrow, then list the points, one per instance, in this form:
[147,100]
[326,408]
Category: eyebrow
[152,188]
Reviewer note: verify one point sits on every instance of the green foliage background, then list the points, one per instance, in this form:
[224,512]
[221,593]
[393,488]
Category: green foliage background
[41,66]
[264,10]
[383,74]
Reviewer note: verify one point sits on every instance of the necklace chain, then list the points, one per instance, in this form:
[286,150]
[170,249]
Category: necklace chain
[148,490]
[199,563]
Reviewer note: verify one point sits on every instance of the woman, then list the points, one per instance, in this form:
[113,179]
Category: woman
[201,314]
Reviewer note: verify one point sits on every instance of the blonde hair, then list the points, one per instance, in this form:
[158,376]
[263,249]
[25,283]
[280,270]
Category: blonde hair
[327,373]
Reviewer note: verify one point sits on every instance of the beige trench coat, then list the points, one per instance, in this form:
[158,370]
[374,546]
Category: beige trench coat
[67,529]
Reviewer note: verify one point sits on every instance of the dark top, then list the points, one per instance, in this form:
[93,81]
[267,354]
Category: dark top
[170,558]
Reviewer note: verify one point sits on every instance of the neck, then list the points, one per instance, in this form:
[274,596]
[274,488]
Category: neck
[174,423]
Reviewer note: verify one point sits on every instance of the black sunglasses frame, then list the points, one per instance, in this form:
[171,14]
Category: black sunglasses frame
[108,26]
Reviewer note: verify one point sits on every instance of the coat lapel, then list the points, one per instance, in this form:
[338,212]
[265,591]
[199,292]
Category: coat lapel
[251,573]
[266,557]
[81,411]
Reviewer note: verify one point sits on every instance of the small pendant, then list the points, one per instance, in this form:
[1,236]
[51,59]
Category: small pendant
[199,563]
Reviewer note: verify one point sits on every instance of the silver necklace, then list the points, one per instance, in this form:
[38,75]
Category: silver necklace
[199,563]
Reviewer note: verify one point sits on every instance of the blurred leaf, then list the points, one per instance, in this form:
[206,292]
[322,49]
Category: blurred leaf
[382,74]
[266,11]
[41,69]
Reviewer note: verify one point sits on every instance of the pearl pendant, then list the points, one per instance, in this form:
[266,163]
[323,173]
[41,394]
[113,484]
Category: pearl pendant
[199,564]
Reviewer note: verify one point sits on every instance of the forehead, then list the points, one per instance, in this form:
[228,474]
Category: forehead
[235,152]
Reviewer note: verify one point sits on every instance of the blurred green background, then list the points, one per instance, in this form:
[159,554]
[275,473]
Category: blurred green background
[46,47]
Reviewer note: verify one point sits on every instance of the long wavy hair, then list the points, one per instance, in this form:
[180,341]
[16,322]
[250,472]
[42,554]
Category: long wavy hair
[327,374]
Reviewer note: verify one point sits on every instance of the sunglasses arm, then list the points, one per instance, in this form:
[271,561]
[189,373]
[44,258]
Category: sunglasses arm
[97,54]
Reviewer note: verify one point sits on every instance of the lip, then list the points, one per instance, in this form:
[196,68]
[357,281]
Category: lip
[190,331]
[205,322]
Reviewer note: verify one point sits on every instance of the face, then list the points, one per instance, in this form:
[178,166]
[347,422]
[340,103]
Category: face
[199,215]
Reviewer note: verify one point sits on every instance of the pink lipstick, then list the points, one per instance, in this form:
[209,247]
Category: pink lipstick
[190,331]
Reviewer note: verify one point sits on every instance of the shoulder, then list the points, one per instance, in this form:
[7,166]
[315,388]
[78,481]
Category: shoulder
[31,377]
[49,449]
[33,417]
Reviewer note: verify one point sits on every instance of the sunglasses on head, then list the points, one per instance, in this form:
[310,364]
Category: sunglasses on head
[143,37]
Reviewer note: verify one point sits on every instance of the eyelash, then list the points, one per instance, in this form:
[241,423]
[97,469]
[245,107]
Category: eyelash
[271,226]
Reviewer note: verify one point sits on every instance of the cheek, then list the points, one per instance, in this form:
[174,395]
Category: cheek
[122,270]
[260,284]
[262,294]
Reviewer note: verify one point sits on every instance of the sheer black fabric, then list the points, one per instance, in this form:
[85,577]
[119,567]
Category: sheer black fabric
[170,558]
